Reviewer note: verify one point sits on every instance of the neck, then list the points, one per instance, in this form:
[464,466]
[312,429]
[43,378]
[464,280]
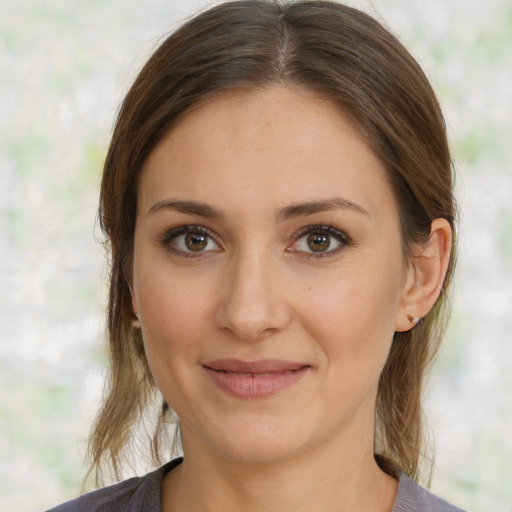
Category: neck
[325,480]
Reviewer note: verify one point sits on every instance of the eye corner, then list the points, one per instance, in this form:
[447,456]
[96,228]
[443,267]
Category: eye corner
[177,241]
[322,232]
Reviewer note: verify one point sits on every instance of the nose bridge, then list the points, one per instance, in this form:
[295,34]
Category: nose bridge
[252,303]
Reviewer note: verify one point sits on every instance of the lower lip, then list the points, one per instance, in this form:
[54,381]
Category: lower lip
[243,385]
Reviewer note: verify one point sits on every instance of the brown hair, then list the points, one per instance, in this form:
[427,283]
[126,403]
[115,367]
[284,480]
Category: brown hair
[348,58]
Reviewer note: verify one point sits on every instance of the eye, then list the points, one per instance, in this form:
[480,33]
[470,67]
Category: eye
[318,241]
[189,241]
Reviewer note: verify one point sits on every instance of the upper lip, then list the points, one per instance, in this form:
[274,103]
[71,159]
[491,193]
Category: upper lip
[261,366]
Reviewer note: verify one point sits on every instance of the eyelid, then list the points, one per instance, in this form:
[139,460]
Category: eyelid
[340,236]
[171,234]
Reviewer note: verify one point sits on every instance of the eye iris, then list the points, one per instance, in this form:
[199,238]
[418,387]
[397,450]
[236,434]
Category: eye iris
[318,242]
[196,241]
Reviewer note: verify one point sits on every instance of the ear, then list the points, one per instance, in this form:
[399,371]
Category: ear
[425,276]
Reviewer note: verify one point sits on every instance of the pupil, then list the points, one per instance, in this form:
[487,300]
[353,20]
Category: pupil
[195,241]
[318,242]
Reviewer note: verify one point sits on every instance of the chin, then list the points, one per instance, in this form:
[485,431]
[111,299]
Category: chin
[259,441]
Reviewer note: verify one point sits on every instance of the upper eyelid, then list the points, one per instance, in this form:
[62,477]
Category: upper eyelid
[301,232]
[186,228]
[328,229]
[172,233]
[341,236]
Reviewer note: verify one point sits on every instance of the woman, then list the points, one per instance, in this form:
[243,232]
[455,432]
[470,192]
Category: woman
[278,201]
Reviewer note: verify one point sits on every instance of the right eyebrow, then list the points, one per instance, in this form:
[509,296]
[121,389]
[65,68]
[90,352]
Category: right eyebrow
[190,207]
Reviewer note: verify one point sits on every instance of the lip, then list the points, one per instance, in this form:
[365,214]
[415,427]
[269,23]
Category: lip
[254,379]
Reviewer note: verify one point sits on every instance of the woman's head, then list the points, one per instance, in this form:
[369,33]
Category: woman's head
[334,53]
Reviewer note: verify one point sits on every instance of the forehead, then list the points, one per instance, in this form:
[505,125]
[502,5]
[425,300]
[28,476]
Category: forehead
[268,116]
[279,143]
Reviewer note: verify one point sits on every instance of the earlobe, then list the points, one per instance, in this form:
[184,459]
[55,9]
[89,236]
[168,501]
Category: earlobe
[426,276]
[136,320]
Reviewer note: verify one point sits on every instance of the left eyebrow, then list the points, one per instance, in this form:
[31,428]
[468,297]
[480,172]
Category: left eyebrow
[309,208]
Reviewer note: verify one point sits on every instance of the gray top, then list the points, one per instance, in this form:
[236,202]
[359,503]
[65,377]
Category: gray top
[142,494]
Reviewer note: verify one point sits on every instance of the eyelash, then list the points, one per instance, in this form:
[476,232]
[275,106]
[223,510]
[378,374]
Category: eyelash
[166,241]
[341,237]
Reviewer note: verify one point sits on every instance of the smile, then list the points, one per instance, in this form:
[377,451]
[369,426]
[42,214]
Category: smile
[254,379]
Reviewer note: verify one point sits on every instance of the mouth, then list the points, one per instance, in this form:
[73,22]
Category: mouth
[255,379]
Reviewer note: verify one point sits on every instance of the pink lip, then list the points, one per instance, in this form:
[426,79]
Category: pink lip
[254,379]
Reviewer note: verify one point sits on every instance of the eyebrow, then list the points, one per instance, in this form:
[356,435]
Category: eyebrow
[311,207]
[287,213]
[190,207]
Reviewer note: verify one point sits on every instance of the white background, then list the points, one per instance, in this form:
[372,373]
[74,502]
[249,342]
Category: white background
[64,67]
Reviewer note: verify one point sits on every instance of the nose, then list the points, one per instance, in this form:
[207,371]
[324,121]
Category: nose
[252,304]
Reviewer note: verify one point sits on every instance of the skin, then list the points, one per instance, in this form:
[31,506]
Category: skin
[257,290]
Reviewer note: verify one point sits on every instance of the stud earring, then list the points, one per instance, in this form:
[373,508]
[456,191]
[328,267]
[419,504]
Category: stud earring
[414,320]
[136,321]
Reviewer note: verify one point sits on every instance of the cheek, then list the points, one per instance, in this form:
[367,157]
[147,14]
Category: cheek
[174,314]
[361,300]
[172,324]
[352,315]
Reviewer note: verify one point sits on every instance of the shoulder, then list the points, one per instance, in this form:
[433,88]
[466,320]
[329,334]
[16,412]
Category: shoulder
[133,495]
[412,497]
[112,498]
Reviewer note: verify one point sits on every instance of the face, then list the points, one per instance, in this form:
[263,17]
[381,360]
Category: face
[268,275]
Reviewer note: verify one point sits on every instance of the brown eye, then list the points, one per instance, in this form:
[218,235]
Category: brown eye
[196,241]
[318,242]
[189,241]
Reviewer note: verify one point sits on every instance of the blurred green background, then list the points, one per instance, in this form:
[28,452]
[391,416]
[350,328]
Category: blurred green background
[64,67]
